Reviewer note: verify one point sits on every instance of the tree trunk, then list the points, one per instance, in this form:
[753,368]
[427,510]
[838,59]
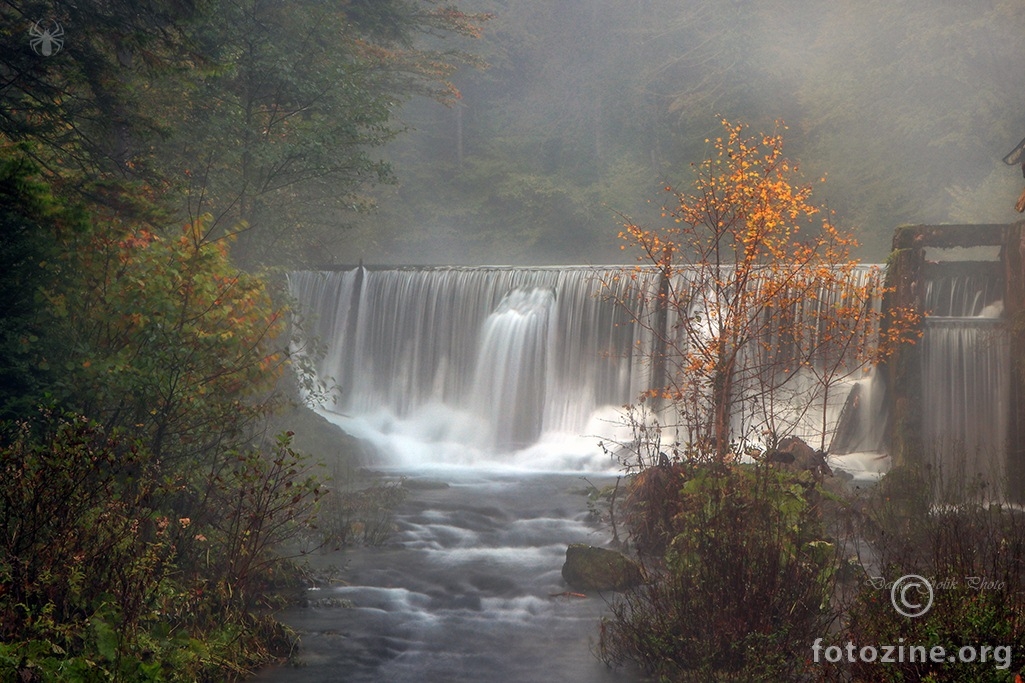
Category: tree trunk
[722,387]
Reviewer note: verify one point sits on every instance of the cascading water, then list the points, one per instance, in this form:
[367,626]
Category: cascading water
[966,371]
[509,383]
[477,364]
[499,363]
[962,289]
[966,377]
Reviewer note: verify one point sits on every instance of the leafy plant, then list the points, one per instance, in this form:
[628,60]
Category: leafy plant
[259,500]
[973,554]
[164,337]
[85,553]
[751,295]
[361,517]
[744,583]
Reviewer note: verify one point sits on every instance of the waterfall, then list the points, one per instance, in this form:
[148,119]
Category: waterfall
[502,362]
[961,289]
[965,384]
[511,369]
[487,358]
[965,370]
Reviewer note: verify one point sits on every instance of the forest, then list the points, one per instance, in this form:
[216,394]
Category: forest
[588,108]
[166,162]
[160,163]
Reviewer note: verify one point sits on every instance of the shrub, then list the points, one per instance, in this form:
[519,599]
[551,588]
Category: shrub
[973,553]
[361,517]
[744,584]
[84,553]
[101,578]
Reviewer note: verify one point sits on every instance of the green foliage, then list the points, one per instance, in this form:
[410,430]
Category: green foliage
[29,217]
[104,576]
[280,136]
[79,526]
[163,337]
[89,105]
[754,565]
[974,556]
[85,553]
[136,543]
[255,112]
[744,583]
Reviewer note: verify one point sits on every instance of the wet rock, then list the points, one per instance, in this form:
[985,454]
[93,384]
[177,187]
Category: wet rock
[597,569]
[418,484]
[797,455]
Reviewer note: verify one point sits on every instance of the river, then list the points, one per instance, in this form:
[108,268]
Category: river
[469,588]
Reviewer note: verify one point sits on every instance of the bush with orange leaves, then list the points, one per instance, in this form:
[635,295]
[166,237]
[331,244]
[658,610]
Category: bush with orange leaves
[760,301]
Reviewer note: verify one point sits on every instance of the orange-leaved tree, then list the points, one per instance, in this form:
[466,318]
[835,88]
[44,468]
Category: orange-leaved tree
[165,337]
[759,301]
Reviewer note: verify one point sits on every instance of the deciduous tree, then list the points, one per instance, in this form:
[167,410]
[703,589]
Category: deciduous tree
[757,288]
[163,336]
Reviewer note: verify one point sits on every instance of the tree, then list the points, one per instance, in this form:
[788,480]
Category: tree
[153,359]
[280,136]
[264,114]
[910,108]
[90,105]
[753,295]
[163,337]
[29,215]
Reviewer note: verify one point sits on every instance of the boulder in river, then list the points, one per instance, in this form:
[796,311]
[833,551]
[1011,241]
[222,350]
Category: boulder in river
[597,569]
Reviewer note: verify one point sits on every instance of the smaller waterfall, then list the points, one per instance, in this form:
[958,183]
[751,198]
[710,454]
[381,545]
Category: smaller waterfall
[510,377]
[861,424]
[966,384]
[961,289]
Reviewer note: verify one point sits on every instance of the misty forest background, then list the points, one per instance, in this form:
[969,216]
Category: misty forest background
[590,105]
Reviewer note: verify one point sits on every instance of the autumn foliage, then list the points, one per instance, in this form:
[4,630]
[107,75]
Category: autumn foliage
[144,505]
[759,296]
[172,341]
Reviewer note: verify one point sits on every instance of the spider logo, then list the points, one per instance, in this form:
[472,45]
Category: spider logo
[48,41]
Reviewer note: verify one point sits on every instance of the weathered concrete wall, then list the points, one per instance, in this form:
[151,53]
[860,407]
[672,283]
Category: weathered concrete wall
[907,272]
[1013,257]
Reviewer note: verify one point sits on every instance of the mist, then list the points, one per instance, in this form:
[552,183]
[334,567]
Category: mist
[588,108]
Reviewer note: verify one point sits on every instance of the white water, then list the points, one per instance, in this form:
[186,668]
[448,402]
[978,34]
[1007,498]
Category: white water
[522,367]
[468,590]
[476,365]
[497,385]
[966,377]
[529,368]
[966,373]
